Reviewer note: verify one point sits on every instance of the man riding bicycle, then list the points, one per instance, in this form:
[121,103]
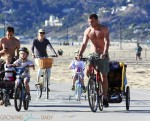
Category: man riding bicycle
[99,36]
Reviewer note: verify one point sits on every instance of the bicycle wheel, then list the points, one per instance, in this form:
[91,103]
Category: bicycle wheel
[18,98]
[39,91]
[127,98]
[100,96]
[46,80]
[6,99]
[92,95]
[25,102]
[78,90]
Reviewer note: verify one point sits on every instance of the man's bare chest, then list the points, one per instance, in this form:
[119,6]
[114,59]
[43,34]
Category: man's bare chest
[9,44]
[96,34]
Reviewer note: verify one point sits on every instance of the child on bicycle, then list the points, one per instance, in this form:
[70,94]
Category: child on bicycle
[22,62]
[78,66]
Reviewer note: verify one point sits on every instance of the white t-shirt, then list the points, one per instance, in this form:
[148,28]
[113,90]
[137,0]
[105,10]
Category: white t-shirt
[78,66]
[22,64]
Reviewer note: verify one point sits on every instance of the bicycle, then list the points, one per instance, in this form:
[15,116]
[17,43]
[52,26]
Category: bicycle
[78,88]
[94,87]
[20,90]
[44,63]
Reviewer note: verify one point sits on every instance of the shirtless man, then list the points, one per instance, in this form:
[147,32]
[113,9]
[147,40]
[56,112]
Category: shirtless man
[99,36]
[9,45]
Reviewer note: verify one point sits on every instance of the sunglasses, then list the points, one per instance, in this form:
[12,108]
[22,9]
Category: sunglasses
[42,32]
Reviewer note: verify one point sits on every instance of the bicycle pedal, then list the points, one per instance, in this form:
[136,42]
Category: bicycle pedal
[37,84]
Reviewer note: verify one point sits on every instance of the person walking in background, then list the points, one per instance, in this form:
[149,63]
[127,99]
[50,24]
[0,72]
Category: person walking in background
[60,52]
[39,50]
[98,34]
[138,53]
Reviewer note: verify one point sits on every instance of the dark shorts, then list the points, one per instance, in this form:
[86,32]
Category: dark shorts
[102,64]
[138,54]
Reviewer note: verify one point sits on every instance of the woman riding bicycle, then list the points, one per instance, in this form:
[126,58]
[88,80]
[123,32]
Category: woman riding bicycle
[39,50]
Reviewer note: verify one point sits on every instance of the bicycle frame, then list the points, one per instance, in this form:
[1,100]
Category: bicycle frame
[95,72]
[44,63]
[78,87]
[22,86]
[43,79]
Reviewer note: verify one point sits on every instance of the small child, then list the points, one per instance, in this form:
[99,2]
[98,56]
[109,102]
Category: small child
[78,66]
[9,75]
[22,62]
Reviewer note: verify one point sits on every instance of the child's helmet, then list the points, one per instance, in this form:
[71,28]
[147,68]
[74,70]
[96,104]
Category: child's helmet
[24,49]
[76,53]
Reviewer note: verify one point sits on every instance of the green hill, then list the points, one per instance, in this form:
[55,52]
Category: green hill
[126,19]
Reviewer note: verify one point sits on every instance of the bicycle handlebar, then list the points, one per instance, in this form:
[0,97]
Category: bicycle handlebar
[47,56]
[90,58]
[15,66]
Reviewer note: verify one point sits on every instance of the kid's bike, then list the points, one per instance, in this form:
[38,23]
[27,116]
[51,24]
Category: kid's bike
[20,90]
[78,88]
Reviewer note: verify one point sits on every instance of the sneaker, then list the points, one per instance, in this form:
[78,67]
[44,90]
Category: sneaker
[105,102]
[28,97]
[1,102]
[8,103]
[73,87]
[48,89]
[37,83]
[84,90]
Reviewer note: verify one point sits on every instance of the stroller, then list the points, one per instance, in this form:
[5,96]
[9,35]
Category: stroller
[117,84]
[6,87]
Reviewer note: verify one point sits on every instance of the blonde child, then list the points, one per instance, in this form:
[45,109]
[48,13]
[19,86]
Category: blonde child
[78,66]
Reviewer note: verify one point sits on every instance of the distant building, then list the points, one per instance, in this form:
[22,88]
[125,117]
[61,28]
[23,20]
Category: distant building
[53,21]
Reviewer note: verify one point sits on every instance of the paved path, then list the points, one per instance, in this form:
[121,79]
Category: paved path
[59,108]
